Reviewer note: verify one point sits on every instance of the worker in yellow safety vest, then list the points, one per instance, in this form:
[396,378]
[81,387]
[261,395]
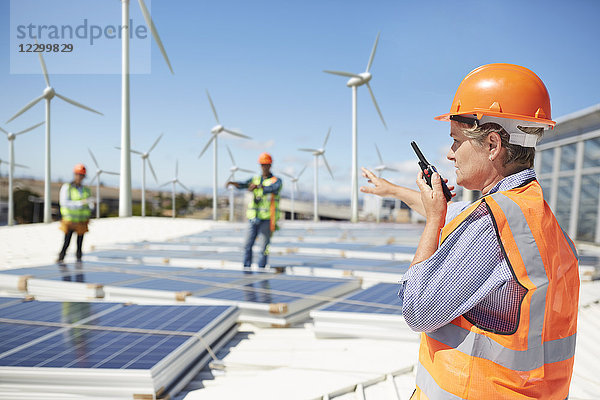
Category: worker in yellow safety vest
[75,208]
[263,209]
[494,284]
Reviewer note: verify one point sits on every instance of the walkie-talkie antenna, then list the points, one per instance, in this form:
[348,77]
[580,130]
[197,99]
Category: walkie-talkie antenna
[419,154]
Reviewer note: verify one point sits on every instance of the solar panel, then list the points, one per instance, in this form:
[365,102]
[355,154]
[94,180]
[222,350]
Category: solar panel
[61,336]
[382,293]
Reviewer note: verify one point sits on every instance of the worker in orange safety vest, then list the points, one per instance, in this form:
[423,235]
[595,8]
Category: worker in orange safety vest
[494,284]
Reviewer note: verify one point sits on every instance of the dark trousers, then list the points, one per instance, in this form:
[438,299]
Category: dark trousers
[68,235]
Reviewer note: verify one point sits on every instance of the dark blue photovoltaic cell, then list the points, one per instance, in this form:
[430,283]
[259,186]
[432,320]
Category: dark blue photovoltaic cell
[86,348]
[382,293]
[261,291]
[15,335]
[171,318]
[52,311]
[82,348]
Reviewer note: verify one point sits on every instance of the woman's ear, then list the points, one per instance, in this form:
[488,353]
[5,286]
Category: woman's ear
[494,142]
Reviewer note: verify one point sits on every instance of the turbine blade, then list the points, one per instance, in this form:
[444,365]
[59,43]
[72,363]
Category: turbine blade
[20,165]
[183,186]
[376,106]
[28,129]
[327,137]
[245,170]
[286,174]
[93,158]
[301,172]
[44,69]
[230,155]
[165,184]
[2,130]
[378,154]
[206,147]
[77,104]
[152,170]
[214,110]
[134,151]
[94,178]
[373,53]
[154,32]
[176,169]
[155,143]
[327,165]
[110,172]
[234,133]
[27,107]
[229,178]
[311,150]
[342,73]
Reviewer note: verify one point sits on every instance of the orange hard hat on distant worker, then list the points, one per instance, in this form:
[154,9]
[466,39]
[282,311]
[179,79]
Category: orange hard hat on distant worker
[502,91]
[79,169]
[265,158]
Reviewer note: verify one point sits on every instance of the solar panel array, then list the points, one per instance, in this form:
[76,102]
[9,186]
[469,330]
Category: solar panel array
[375,312]
[144,343]
[263,297]
[381,254]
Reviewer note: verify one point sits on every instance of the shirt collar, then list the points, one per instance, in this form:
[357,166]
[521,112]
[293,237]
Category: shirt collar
[514,180]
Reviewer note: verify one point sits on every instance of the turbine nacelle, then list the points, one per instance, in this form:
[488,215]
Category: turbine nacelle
[217,129]
[49,93]
[359,79]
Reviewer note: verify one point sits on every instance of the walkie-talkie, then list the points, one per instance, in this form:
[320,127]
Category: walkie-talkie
[428,171]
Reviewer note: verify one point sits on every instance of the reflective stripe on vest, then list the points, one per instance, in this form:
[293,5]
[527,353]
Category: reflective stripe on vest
[463,361]
[262,209]
[77,214]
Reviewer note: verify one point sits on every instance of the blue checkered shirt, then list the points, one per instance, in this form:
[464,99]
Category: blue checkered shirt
[468,275]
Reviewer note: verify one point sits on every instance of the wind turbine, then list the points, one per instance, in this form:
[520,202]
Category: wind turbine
[99,172]
[234,168]
[319,153]
[11,166]
[294,185]
[380,168]
[174,182]
[125,182]
[215,131]
[355,81]
[146,156]
[48,95]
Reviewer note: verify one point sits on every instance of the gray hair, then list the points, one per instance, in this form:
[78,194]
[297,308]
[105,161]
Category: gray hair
[514,153]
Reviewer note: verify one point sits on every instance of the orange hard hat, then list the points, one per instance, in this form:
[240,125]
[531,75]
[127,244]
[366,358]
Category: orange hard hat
[265,158]
[79,169]
[505,91]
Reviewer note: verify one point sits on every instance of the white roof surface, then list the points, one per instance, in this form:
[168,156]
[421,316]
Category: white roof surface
[291,363]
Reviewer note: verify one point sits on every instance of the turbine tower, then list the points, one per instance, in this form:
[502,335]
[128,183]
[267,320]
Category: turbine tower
[355,81]
[380,168]
[294,186]
[174,182]
[234,168]
[319,153]
[11,166]
[125,182]
[146,156]
[48,94]
[215,131]
[99,172]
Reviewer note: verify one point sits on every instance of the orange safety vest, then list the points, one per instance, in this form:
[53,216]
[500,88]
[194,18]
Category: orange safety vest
[463,361]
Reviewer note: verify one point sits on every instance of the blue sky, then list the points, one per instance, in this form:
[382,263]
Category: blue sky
[262,63]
